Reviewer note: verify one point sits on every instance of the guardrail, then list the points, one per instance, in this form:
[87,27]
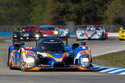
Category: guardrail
[5,34]
[110,34]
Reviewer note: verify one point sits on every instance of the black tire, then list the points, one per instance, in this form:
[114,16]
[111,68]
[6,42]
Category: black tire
[120,39]
[103,39]
[10,67]
[77,40]
[9,62]
[8,57]
[21,63]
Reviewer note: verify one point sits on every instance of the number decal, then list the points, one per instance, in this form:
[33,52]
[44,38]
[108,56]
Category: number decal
[30,52]
[83,52]
[28,48]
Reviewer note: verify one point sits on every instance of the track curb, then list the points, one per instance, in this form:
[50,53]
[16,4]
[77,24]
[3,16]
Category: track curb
[110,70]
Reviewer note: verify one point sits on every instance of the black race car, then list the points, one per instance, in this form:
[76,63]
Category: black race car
[26,36]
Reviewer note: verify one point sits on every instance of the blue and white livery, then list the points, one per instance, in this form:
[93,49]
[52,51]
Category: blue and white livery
[91,32]
[50,53]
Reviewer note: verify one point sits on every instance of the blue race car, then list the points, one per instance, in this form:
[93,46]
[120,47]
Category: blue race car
[50,53]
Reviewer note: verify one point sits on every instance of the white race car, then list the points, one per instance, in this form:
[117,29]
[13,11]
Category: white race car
[92,32]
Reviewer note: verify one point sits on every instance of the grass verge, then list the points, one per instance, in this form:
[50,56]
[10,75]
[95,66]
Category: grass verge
[113,59]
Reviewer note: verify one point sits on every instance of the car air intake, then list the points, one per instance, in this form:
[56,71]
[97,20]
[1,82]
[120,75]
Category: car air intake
[76,61]
[58,65]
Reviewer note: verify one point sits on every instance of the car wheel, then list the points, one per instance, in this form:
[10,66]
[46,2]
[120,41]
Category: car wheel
[10,63]
[77,39]
[22,64]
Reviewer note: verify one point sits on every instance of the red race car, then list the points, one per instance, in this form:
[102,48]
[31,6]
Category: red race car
[28,28]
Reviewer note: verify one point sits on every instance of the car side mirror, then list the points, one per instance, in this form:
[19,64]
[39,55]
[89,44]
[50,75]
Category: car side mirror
[83,43]
[75,45]
[71,53]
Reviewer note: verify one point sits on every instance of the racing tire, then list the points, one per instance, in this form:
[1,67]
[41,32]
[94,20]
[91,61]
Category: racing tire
[22,67]
[77,40]
[80,39]
[103,39]
[10,62]
[11,67]
[121,39]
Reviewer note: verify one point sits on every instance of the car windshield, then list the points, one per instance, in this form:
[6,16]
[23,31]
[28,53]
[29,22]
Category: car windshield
[51,47]
[47,28]
[27,27]
[90,28]
[100,28]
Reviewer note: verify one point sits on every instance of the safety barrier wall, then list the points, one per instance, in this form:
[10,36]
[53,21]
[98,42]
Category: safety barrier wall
[73,28]
[71,34]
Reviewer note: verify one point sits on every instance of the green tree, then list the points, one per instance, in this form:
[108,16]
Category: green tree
[38,9]
[14,12]
[115,14]
[79,11]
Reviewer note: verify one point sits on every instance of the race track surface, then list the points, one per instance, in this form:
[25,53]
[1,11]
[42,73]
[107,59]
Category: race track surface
[63,76]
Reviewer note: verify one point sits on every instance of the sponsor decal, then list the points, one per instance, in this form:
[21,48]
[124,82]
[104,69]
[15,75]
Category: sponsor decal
[28,48]
[82,52]
[30,52]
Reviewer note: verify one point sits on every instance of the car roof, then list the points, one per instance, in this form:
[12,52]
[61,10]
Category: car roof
[43,26]
[27,26]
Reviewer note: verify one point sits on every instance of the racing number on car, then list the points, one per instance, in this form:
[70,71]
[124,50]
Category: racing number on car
[28,48]
[83,52]
[30,52]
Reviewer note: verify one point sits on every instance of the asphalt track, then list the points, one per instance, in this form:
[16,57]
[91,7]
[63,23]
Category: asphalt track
[63,76]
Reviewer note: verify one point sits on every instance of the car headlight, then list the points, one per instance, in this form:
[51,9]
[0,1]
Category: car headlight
[37,35]
[84,61]
[30,61]
[99,33]
[80,33]
[66,32]
[55,32]
[15,35]
[23,30]
[26,34]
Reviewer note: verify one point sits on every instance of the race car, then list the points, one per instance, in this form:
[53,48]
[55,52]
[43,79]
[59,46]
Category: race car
[53,31]
[26,36]
[50,53]
[92,32]
[121,33]
[26,33]
[27,28]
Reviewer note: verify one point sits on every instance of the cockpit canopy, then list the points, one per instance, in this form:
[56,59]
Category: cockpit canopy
[50,45]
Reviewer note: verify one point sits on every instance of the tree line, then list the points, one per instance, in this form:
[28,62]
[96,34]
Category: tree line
[16,12]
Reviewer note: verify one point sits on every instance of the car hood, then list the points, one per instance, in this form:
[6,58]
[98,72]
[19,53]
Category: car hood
[58,57]
[90,33]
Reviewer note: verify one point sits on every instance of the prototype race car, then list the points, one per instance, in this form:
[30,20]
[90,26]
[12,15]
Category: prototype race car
[50,53]
[92,32]
[26,33]
[53,31]
[26,36]
[121,33]
[27,28]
